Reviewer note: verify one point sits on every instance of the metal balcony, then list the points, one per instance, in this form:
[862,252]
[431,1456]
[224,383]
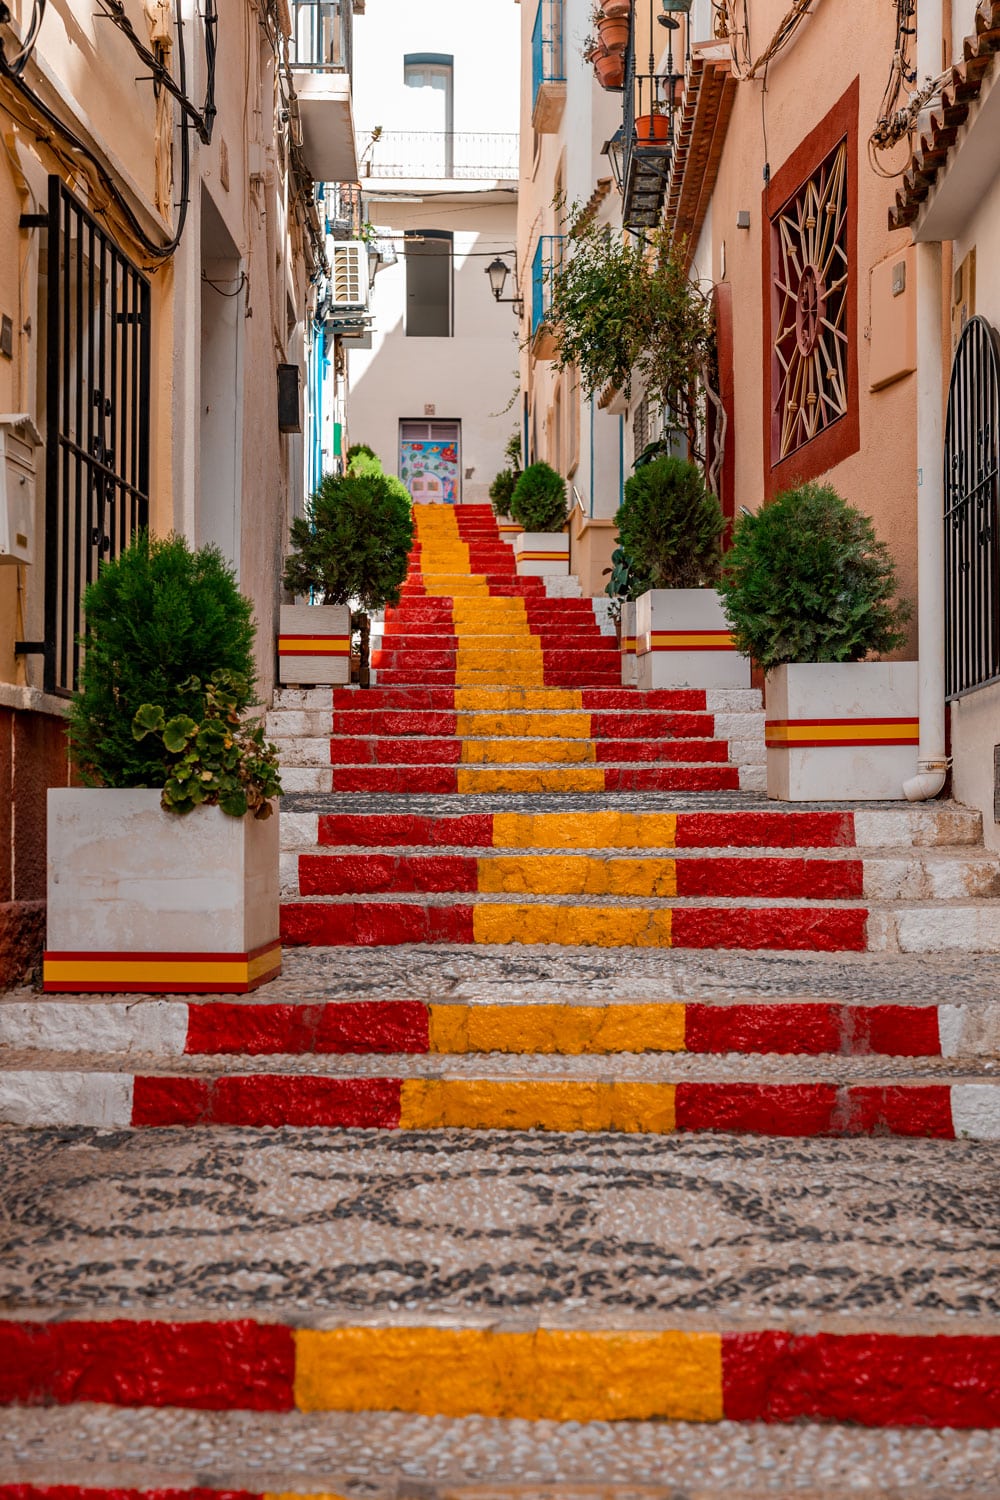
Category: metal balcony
[321,57]
[458,155]
[322,36]
[546,261]
[548,67]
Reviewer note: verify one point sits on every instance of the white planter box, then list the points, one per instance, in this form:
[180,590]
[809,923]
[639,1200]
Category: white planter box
[541,552]
[143,901]
[314,643]
[508,528]
[841,731]
[630,664]
[683,640]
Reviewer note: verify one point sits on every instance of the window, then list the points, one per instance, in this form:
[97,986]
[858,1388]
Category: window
[429,80]
[428,283]
[810,315]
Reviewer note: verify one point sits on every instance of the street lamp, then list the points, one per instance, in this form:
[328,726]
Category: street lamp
[614,150]
[672,8]
[498,270]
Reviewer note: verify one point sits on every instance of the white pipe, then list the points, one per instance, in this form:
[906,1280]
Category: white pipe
[931,759]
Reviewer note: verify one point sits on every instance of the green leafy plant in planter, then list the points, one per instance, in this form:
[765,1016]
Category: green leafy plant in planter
[670,527]
[352,547]
[221,761]
[501,490]
[624,583]
[807,580]
[538,499]
[159,618]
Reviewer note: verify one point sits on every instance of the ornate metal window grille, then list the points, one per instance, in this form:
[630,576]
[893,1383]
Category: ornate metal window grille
[809,308]
[972,512]
[97,419]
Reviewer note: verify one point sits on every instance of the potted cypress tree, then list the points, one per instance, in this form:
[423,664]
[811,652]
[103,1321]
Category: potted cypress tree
[538,503]
[810,592]
[163,866]
[670,528]
[353,546]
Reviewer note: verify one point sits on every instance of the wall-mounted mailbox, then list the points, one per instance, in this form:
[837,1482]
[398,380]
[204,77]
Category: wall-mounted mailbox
[19,438]
[893,319]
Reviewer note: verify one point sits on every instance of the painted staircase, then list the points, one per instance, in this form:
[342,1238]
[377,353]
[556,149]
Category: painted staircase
[596,1090]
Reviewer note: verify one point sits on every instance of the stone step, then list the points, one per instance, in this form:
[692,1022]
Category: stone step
[347,750]
[496,677]
[656,1094]
[747,923]
[508,699]
[832,875]
[520,779]
[570,1027]
[526,724]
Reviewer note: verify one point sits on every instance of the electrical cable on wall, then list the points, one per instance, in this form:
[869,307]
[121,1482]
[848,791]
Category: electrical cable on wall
[897,121]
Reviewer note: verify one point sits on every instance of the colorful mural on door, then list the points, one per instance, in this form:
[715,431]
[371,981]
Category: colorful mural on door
[430,471]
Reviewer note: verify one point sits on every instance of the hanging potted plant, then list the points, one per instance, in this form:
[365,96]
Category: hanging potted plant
[810,591]
[163,866]
[613,31]
[652,129]
[616,8]
[670,528]
[538,503]
[609,69]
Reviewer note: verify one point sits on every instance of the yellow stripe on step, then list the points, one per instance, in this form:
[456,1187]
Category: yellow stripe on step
[527,752]
[500,700]
[530,779]
[558,1375]
[562,726]
[566,1030]
[532,1104]
[596,830]
[576,875]
[297,1495]
[577,926]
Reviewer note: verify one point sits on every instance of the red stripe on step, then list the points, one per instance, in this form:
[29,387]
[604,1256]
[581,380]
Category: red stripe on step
[75,1492]
[820,929]
[814,879]
[708,778]
[347,874]
[394,778]
[383,830]
[813,1028]
[263,1099]
[238,1365]
[421,698]
[878,1380]
[384,751]
[354,924]
[660,751]
[818,830]
[679,699]
[814,1109]
[354,1026]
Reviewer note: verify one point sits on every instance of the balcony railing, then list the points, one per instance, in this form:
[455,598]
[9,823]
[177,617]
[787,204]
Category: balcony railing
[546,260]
[322,35]
[464,155]
[547,58]
[650,101]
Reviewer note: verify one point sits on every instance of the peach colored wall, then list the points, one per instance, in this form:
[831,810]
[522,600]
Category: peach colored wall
[803,84]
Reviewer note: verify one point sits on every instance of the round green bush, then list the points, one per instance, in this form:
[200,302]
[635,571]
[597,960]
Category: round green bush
[158,617]
[807,580]
[501,490]
[538,499]
[356,449]
[670,527]
[354,541]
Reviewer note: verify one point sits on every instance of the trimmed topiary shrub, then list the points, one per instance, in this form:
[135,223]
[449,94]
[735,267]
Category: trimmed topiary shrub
[538,499]
[356,450]
[670,527]
[807,580]
[161,619]
[352,545]
[501,490]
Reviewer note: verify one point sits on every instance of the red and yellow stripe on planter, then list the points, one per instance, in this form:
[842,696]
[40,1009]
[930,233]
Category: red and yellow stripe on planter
[553,1374]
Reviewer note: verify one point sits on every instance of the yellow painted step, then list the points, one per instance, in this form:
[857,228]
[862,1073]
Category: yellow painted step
[588,830]
[531,779]
[510,752]
[576,875]
[563,1030]
[523,725]
[575,926]
[516,1104]
[499,700]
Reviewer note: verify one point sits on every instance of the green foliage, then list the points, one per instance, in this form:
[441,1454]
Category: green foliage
[512,450]
[357,450]
[670,527]
[501,490]
[618,308]
[808,580]
[159,619]
[624,582]
[352,544]
[538,499]
[222,761]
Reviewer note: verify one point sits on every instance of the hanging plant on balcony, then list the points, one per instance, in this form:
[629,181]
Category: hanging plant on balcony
[616,8]
[619,310]
[613,32]
[609,69]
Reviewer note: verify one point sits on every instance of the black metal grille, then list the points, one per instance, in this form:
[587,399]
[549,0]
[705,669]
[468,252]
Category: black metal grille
[971,518]
[97,419]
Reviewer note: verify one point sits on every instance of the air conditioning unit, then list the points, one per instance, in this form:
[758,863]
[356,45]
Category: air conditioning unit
[349,281]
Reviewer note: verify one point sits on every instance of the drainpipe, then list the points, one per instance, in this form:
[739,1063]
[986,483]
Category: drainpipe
[932,763]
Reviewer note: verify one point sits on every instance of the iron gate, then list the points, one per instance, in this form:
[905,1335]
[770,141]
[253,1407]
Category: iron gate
[972,512]
[97,418]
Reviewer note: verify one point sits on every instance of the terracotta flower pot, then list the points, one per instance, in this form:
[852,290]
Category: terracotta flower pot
[617,7]
[610,69]
[649,128]
[613,32]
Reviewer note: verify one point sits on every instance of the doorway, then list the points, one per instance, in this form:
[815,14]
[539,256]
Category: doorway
[429,456]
